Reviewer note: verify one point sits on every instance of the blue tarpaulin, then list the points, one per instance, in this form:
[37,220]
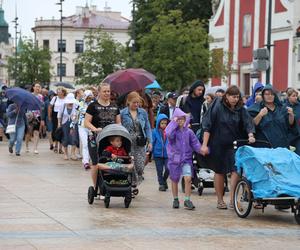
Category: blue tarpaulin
[272,172]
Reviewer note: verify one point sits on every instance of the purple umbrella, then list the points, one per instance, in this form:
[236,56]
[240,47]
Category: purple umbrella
[23,99]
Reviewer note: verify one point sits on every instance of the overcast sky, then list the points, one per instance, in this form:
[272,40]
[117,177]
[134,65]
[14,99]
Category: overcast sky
[29,10]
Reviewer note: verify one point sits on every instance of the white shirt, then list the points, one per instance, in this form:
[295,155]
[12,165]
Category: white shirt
[57,103]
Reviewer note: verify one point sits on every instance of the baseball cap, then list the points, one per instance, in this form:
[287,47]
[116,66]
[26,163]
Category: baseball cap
[172,95]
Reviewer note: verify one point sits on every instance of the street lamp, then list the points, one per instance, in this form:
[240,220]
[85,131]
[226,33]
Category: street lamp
[60,42]
[16,47]
[269,45]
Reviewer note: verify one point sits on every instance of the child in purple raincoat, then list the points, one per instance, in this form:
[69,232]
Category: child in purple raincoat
[182,143]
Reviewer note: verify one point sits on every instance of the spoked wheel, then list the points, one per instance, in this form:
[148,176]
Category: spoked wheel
[106,201]
[91,195]
[127,200]
[297,213]
[242,198]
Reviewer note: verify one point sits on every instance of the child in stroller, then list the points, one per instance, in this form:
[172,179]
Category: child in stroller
[115,167]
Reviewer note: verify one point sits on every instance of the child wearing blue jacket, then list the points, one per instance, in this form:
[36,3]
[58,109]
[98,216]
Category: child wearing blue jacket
[160,156]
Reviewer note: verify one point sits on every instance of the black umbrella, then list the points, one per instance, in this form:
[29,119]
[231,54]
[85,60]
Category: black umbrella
[64,84]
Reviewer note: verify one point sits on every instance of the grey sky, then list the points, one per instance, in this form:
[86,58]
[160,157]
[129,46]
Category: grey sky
[29,10]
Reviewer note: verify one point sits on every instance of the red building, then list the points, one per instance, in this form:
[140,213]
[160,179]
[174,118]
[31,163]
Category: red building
[240,26]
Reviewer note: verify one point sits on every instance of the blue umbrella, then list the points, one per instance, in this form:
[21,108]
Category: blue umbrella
[23,99]
[154,85]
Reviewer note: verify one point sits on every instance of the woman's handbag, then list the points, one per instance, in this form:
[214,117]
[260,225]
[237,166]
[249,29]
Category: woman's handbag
[12,127]
[141,141]
[58,134]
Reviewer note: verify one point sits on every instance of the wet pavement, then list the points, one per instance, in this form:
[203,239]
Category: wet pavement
[43,205]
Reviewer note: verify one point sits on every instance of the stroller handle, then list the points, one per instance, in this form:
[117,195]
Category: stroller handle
[242,142]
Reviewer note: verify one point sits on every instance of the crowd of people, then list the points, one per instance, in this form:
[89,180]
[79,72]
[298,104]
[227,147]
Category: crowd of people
[168,127]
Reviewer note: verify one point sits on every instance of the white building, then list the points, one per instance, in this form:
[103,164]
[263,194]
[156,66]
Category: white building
[6,49]
[47,34]
[240,26]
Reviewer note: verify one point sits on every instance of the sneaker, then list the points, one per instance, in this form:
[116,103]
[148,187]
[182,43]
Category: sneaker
[18,154]
[189,205]
[10,149]
[175,203]
[36,152]
[162,188]
[51,147]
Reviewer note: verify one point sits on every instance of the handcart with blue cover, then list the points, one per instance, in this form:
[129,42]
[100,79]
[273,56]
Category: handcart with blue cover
[269,176]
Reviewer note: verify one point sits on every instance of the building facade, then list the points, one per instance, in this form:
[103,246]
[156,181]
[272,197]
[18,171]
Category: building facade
[47,34]
[6,49]
[239,27]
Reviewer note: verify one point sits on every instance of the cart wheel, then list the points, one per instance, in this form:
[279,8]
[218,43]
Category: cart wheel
[127,200]
[242,198]
[106,201]
[200,188]
[182,185]
[91,195]
[297,214]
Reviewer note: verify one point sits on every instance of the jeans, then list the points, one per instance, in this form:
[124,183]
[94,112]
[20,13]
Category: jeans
[17,137]
[161,165]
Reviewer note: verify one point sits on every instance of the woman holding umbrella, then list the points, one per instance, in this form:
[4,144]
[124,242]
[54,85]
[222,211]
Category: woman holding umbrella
[16,116]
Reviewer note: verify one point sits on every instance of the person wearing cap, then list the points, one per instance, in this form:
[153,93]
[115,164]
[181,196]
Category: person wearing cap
[169,107]
[67,119]
[88,98]
[192,104]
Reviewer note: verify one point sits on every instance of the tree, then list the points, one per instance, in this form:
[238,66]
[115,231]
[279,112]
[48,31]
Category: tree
[102,56]
[175,51]
[32,64]
[147,11]
[219,66]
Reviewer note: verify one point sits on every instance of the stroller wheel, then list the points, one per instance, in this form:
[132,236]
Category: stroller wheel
[106,201]
[91,194]
[242,200]
[297,213]
[135,191]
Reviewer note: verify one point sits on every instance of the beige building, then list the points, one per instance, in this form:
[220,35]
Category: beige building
[47,34]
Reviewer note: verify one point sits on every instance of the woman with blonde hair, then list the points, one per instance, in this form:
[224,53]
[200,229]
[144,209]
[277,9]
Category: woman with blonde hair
[136,121]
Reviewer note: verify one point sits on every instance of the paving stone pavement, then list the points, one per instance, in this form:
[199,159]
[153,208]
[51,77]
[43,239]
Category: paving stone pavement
[43,205]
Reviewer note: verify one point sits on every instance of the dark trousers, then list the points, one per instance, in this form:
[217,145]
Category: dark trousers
[161,169]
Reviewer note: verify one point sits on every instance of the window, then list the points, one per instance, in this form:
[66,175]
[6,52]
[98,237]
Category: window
[299,77]
[78,70]
[62,46]
[45,44]
[298,52]
[79,46]
[247,31]
[62,68]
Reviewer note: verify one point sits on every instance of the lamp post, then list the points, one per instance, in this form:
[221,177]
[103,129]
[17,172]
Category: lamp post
[16,48]
[60,41]
[269,45]
[133,35]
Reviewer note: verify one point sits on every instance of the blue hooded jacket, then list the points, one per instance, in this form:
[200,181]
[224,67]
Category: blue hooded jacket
[158,143]
[273,127]
[251,100]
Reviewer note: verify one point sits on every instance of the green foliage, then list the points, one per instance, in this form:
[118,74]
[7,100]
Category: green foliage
[175,51]
[147,11]
[219,63]
[102,56]
[32,64]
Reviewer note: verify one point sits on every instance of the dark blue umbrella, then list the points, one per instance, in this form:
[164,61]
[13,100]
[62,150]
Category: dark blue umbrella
[64,84]
[23,99]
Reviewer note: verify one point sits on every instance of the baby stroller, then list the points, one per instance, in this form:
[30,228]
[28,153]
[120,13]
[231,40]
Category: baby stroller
[203,175]
[111,183]
[268,177]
